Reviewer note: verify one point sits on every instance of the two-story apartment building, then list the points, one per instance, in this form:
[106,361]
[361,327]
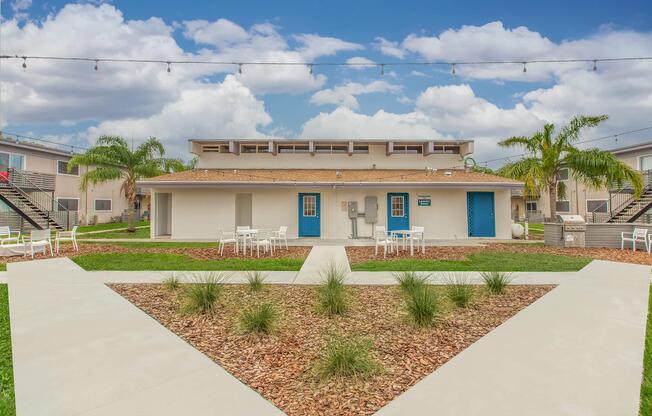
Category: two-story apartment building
[42,173]
[584,201]
[331,189]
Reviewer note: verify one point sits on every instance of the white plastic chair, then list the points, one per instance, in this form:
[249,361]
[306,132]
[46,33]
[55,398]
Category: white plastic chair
[280,236]
[383,240]
[40,239]
[6,235]
[227,237]
[418,235]
[262,239]
[66,236]
[638,236]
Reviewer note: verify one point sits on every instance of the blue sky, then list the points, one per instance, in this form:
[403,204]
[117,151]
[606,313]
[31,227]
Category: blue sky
[69,103]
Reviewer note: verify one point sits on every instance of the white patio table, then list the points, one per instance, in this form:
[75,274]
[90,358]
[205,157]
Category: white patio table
[403,237]
[245,234]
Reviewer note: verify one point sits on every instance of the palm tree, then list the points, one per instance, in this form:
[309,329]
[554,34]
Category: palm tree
[113,159]
[551,150]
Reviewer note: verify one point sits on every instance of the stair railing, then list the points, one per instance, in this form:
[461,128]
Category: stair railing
[40,198]
[621,199]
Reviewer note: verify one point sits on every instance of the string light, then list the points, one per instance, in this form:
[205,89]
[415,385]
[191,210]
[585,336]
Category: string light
[382,70]
[169,69]
[310,68]
[24,63]
[96,64]
[453,69]
[239,68]
[595,65]
[524,67]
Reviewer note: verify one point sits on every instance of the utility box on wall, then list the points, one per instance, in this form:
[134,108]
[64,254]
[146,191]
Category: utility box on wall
[353,209]
[370,209]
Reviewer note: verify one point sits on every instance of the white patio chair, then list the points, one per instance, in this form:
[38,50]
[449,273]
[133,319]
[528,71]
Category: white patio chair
[66,236]
[638,236]
[280,236]
[418,235]
[40,240]
[243,239]
[383,240]
[262,239]
[227,237]
[6,235]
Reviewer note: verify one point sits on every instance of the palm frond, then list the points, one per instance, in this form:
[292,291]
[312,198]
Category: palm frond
[598,169]
[572,130]
[528,170]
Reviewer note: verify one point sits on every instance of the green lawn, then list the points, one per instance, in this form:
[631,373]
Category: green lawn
[164,261]
[155,244]
[646,386]
[7,400]
[108,226]
[482,261]
[140,233]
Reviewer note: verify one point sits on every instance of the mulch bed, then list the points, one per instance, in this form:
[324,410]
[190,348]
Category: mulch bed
[281,366]
[363,254]
[198,253]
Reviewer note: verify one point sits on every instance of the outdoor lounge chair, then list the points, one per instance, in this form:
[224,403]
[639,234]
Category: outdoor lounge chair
[638,236]
[9,237]
[227,237]
[66,236]
[40,240]
[280,236]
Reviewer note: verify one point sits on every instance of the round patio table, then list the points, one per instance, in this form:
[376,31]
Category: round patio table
[403,237]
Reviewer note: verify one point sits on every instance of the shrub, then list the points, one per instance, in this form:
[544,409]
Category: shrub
[256,280]
[423,306]
[410,281]
[459,290]
[202,294]
[260,319]
[346,358]
[331,294]
[172,283]
[496,281]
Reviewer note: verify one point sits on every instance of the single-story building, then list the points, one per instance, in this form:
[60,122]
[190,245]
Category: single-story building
[332,189]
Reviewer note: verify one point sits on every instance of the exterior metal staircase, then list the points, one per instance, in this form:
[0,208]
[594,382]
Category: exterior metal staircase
[21,192]
[624,207]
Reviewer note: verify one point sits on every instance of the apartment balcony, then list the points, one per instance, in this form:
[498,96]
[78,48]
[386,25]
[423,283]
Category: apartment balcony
[30,181]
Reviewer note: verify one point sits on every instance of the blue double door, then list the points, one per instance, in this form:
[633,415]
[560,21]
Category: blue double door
[481,214]
[309,213]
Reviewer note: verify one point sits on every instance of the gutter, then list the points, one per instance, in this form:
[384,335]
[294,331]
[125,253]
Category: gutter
[293,184]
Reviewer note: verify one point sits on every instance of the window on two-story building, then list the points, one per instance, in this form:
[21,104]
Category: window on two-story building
[451,150]
[332,148]
[597,205]
[645,162]
[215,148]
[563,174]
[408,149]
[254,148]
[103,204]
[62,168]
[68,204]
[293,148]
[531,206]
[360,148]
[12,160]
[563,206]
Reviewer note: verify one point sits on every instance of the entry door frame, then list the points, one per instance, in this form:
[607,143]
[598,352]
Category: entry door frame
[309,224]
[481,214]
[398,223]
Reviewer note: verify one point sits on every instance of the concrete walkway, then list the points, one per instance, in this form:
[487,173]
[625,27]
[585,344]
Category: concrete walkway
[320,259]
[81,349]
[577,351]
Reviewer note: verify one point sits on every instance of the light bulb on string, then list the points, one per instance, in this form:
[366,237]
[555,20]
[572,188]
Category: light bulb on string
[24,63]
[96,67]
[595,65]
[169,68]
[524,67]
[382,70]
[453,69]
[239,68]
[310,69]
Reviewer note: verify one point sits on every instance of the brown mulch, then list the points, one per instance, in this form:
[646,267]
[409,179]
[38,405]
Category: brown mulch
[199,253]
[363,254]
[281,366]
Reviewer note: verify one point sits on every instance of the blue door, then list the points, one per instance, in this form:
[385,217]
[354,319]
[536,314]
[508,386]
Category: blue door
[309,225]
[480,210]
[398,211]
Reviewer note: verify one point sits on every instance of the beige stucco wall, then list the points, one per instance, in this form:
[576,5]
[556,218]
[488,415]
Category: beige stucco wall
[67,186]
[200,213]
[377,155]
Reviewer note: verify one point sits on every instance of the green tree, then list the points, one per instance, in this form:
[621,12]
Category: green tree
[552,150]
[112,159]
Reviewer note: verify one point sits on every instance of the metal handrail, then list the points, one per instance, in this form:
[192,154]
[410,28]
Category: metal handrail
[55,204]
[624,190]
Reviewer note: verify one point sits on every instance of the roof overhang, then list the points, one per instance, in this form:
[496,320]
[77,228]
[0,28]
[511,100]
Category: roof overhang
[295,184]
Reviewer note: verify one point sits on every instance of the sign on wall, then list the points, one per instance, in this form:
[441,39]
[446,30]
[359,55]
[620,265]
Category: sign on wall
[424,200]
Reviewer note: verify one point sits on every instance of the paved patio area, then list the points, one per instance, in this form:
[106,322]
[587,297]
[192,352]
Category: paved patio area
[81,349]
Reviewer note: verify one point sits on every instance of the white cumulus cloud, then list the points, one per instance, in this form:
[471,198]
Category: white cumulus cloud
[345,95]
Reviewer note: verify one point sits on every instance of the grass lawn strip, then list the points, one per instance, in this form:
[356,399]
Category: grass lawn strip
[139,233]
[7,399]
[281,366]
[108,226]
[646,385]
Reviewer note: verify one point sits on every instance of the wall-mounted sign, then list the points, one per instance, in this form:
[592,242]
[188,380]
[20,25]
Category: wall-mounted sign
[424,202]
